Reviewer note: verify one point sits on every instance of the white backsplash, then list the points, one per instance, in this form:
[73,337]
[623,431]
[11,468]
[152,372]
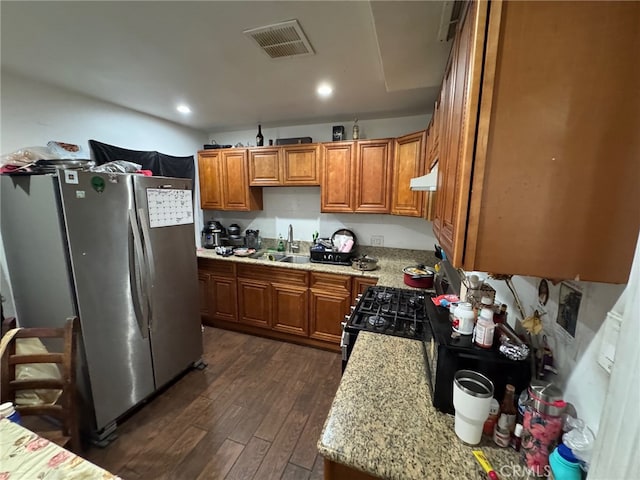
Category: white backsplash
[300,207]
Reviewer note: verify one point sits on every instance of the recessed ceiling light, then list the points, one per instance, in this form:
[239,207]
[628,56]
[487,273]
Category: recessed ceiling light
[324,90]
[183,109]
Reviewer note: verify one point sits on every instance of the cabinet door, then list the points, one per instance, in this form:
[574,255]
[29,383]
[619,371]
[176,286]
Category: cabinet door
[203,286]
[330,301]
[360,284]
[235,178]
[264,167]
[429,207]
[209,175]
[373,176]
[458,133]
[254,303]
[328,309]
[301,165]
[337,177]
[434,137]
[290,313]
[223,299]
[408,163]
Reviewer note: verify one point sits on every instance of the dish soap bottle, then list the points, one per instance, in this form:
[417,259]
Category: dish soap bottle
[280,244]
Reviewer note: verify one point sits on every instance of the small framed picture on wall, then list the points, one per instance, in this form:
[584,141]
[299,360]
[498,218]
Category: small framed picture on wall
[568,308]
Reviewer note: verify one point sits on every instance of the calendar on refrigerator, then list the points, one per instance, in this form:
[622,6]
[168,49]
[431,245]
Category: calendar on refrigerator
[169,207]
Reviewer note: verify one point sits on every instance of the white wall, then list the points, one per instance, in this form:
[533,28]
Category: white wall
[583,381]
[300,207]
[321,132]
[33,113]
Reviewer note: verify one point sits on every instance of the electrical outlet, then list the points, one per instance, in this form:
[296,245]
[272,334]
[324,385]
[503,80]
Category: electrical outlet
[377,240]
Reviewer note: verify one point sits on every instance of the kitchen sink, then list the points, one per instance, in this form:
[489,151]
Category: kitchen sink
[295,259]
[273,256]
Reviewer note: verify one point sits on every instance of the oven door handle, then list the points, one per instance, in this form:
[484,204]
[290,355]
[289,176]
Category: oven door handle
[345,339]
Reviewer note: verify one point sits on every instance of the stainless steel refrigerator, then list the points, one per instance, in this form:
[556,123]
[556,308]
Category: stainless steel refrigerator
[118,251]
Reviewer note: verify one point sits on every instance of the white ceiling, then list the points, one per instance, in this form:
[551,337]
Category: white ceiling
[383,57]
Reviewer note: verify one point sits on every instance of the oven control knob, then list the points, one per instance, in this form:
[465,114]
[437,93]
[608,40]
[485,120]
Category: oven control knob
[343,324]
[352,308]
[358,297]
[346,318]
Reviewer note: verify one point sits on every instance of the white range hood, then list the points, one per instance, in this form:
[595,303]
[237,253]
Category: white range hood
[426,182]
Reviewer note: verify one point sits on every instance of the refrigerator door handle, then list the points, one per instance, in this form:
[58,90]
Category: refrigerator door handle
[142,317]
[151,269]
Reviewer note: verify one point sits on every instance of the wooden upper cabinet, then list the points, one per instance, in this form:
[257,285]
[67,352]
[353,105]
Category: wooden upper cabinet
[460,99]
[433,140]
[408,163]
[210,178]
[224,181]
[301,164]
[264,167]
[237,194]
[429,206]
[337,177]
[373,176]
[531,181]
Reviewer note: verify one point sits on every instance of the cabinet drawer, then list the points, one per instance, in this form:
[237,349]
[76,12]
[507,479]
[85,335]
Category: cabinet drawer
[217,267]
[330,281]
[273,274]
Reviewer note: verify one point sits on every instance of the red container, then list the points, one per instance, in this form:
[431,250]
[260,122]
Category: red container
[418,276]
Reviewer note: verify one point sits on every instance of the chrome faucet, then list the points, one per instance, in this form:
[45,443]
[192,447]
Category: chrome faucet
[291,247]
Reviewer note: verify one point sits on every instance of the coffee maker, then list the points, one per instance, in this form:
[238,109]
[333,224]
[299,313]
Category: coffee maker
[212,234]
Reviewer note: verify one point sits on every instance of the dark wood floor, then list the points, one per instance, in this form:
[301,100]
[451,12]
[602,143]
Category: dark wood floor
[255,412]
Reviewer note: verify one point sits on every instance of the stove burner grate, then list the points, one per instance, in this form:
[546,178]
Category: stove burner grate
[376,321]
[383,297]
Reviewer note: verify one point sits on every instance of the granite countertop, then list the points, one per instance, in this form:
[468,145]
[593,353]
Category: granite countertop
[391,261]
[385,424]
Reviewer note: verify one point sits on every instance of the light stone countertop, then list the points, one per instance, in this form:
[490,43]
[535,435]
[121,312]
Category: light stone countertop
[391,261]
[382,421]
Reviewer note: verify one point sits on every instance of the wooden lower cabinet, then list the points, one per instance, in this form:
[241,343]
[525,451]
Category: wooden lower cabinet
[203,286]
[360,284]
[282,303]
[223,303]
[338,471]
[254,302]
[218,297]
[330,302]
[290,309]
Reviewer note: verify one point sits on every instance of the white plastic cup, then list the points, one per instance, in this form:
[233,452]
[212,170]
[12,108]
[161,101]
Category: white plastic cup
[472,394]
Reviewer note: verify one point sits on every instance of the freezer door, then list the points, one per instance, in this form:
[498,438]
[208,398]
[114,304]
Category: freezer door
[165,215]
[97,208]
[36,251]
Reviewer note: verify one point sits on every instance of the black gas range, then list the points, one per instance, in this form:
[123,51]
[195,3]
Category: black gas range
[387,310]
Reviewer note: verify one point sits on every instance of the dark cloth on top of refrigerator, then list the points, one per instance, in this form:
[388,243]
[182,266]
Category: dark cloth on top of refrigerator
[159,163]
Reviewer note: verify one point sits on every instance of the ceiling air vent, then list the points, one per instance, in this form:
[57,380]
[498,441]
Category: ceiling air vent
[284,39]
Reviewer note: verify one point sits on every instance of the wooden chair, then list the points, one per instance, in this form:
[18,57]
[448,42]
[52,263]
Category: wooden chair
[64,410]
